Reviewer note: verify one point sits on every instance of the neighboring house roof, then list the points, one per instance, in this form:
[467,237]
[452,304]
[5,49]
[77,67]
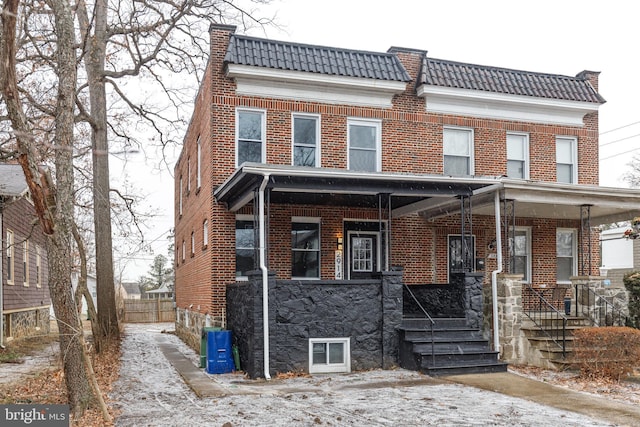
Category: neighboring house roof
[132,288]
[450,74]
[251,51]
[164,289]
[12,181]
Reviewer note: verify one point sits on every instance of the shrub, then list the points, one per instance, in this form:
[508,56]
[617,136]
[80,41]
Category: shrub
[607,352]
[632,283]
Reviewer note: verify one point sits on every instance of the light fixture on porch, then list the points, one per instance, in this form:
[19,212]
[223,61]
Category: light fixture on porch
[339,243]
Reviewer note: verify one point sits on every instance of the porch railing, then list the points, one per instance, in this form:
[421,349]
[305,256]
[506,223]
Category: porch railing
[597,308]
[430,321]
[548,319]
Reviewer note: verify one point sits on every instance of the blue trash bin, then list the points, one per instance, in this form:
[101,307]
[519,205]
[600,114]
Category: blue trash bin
[219,356]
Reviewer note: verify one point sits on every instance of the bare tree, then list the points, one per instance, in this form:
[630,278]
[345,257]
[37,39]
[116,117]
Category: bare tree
[123,40]
[53,202]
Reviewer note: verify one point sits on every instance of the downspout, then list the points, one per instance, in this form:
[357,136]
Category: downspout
[494,273]
[265,274]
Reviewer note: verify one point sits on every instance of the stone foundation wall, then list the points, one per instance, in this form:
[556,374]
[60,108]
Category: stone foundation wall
[189,326]
[27,323]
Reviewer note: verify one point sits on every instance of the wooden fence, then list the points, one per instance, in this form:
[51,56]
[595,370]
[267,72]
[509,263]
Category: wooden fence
[149,311]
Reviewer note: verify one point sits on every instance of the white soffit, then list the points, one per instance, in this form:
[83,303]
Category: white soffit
[315,87]
[492,105]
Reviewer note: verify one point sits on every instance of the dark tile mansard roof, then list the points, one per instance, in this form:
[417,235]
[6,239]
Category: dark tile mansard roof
[280,55]
[245,50]
[450,74]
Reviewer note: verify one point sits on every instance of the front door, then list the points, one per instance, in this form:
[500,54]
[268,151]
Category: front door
[363,254]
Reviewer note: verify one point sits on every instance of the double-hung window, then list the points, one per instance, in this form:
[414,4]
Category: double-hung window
[245,245]
[306,140]
[458,151]
[9,252]
[250,136]
[305,248]
[518,155]
[193,243]
[38,266]
[566,261]
[180,201]
[364,141]
[520,252]
[25,263]
[566,159]
[198,164]
[205,234]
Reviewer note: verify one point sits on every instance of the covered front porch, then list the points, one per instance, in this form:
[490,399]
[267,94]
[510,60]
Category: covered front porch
[370,226]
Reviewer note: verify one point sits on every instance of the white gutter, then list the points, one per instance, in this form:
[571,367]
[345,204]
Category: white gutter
[494,273]
[265,274]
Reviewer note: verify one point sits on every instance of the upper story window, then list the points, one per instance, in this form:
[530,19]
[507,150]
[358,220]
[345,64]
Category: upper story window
[193,243]
[25,263]
[520,252]
[566,260]
[245,246]
[188,175]
[199,164]
[205,234]
[364,141]
[184,251]
[458,151]
[566,159]
[306,140]
[180,196]
[305,248]
[518,155]
[10,258]
[250,136]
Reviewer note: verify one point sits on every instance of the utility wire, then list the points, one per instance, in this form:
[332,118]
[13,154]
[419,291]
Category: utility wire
[621,127]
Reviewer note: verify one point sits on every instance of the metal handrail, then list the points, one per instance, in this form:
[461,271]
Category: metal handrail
[547,311]
[431,322]
[606,313]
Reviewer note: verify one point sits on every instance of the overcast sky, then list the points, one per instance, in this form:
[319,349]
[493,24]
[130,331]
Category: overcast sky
[558,37]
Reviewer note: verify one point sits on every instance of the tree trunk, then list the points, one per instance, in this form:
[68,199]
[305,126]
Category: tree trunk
[53,204]
[94,65]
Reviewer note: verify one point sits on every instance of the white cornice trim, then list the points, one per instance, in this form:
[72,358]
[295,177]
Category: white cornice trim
[283,84]
[504,106]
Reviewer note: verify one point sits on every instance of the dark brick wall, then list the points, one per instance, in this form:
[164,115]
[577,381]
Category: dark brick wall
[368,312]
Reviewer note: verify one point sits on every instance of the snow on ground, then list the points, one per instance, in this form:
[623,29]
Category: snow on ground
[150,392]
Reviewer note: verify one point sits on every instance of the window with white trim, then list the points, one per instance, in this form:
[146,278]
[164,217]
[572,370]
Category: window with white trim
[193,243]
[180,201]
[184,251]
[306,140]
[458,151]
[188,175]
[38,266]
[566,260]
[566,159]
[250,136]
[305,248]
[518,155]
[10,257]
[199,164]
[327,355]
[520,252]
[364,141]
[245,245]
[205,234]
[25,263]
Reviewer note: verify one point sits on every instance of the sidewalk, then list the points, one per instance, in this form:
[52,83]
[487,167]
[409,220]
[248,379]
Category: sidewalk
[509,384]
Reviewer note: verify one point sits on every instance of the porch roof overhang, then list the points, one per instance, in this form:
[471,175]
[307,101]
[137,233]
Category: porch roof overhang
[299,185]
[552,200]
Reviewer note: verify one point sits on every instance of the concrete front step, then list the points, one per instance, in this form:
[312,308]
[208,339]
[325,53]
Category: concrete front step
[451,347]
